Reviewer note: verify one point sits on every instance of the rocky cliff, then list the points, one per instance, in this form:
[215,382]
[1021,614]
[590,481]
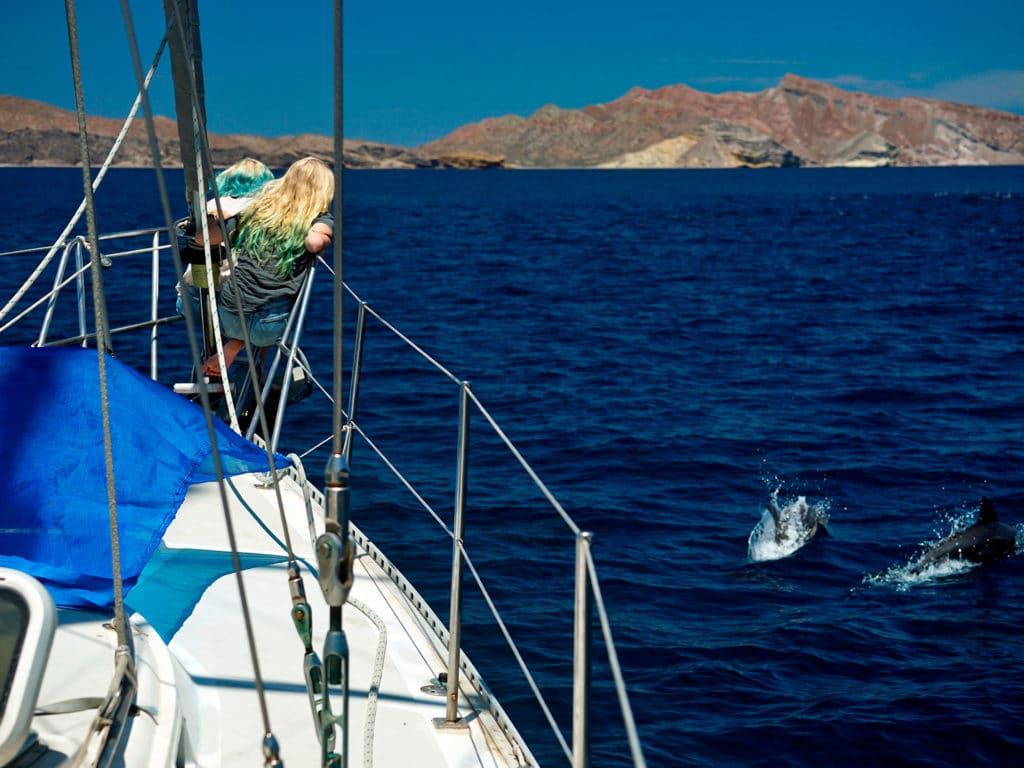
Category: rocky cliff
[800,122]
[33,133]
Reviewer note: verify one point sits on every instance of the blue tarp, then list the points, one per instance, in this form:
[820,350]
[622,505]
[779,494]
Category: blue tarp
[54,512]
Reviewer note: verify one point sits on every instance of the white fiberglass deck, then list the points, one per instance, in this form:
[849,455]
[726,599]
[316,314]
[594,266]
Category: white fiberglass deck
[220,717]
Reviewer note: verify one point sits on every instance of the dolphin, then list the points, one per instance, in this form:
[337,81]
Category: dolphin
[799,515]
[984,541]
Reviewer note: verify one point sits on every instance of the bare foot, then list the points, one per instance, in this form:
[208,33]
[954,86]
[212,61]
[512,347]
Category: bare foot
[231,349]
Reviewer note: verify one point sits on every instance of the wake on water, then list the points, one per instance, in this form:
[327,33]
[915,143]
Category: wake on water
[911,574]
[915,572]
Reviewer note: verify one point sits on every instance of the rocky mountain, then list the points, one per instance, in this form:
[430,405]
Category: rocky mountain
[34,133]
[800,122]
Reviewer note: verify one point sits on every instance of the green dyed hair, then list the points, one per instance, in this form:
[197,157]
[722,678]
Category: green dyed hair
[243,179]
[274,226]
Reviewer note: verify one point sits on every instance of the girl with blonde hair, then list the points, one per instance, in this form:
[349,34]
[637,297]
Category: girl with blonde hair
[275,239]
[236,185]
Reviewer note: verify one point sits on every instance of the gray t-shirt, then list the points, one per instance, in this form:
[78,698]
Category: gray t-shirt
[257,283]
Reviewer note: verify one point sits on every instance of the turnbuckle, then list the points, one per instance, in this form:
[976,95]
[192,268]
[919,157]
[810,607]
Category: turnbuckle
[336,666]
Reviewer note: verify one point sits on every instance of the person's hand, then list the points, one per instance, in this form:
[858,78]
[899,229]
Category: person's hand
[319,238]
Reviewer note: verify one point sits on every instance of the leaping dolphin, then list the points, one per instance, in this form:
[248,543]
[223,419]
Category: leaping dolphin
[985,540]
[800,518]
[789,528]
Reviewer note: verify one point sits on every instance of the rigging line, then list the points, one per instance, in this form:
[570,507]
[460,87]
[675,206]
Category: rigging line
[377,674]
[45,261]
[515,652]
[123,688]
[203,391]
[613,662]
[501,434]
[413,345]
[201,161]
[150,324]
[204,159]
[394,470]
[168,219]
[409,342]
[99,309]
[316,447]
[26,251]
[529,470]
[339,225]
[211,299]
[194,168]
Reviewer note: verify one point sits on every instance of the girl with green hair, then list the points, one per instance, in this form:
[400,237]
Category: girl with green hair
[237,184]
[275,239]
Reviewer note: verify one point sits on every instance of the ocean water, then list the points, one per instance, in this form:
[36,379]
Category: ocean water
[671,351]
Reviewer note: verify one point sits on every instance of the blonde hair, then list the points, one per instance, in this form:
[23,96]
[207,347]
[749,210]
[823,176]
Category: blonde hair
[275,224]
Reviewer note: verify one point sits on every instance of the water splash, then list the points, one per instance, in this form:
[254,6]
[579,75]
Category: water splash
[798,523]
[916,572]
[913,574]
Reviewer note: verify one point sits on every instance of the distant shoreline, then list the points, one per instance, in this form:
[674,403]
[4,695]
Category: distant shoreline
[566,168]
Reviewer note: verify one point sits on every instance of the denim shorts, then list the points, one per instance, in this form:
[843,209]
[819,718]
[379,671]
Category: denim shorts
[266,325]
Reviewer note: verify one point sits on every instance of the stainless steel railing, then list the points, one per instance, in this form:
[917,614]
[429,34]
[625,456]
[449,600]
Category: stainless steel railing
[587,599]
[587,593]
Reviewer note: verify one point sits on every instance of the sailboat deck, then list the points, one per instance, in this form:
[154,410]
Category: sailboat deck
[216,716]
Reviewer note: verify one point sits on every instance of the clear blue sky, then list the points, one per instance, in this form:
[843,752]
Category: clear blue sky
[415,70]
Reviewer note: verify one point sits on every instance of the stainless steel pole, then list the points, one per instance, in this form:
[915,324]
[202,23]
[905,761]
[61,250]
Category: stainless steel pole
[583,611]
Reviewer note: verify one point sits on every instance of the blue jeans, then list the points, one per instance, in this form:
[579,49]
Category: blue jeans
[266,325]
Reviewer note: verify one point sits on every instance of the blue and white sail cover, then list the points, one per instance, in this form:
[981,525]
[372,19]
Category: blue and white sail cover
[55,519]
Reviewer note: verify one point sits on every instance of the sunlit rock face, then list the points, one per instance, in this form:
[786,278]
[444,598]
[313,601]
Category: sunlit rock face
[800,122]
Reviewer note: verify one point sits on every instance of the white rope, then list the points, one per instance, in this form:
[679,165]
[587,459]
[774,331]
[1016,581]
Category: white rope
[215,317]
[375,678]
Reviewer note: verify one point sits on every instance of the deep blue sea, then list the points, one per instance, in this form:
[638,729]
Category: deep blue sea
[671,350]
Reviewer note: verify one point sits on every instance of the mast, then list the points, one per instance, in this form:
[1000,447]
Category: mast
[189,91]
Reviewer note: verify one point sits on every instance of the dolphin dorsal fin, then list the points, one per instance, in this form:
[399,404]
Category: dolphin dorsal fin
[987,514]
